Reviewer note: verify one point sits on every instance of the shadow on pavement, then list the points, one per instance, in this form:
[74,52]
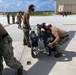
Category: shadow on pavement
[9,71]
[46,63]
[71,34]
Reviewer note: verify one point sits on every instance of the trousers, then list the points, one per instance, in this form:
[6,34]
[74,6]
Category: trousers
[6,52]
[59,43]
[26,34]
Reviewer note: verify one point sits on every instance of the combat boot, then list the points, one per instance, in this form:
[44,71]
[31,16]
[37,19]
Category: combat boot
[0,73]
[20,70]
[58,55]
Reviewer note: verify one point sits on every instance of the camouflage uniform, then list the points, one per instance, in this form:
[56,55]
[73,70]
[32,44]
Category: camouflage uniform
[60,42]
[6,52]
[8,18]
[13,18]
[26,33]
[19,19]
[64,37]
[1,65]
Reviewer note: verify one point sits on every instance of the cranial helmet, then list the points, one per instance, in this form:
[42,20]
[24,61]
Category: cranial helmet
[31,7]
[46,25]
[19,11]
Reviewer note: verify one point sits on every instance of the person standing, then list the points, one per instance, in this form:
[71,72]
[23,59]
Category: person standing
[19,19]
[26,24]
[6,52]
[8,18]
[13,18]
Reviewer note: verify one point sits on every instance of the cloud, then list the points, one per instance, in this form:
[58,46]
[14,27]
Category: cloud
[15,5]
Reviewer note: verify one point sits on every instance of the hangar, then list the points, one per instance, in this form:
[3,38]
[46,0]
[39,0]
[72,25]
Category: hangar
[65,6]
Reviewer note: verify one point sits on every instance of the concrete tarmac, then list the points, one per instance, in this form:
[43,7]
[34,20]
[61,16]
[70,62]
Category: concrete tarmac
[44,64]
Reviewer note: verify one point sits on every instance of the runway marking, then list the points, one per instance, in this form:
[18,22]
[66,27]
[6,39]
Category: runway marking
[69,24]
[20,59]
[22,54]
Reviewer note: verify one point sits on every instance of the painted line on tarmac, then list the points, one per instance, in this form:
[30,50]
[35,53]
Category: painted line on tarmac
[69,24]
[20,59]
[22,54]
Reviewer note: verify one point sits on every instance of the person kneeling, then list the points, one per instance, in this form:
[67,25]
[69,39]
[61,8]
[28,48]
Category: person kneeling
[60,37]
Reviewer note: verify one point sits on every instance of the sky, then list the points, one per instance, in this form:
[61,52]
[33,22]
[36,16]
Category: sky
[22,5]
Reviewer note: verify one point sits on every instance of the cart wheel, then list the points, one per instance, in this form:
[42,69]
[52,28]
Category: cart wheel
[33,53]
[49,51]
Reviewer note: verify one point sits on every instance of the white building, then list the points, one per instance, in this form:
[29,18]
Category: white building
[65,6]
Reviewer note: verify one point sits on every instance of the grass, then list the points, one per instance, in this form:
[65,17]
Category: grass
[41,13]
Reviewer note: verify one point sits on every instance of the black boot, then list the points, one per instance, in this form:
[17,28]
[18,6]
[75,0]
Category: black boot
[20,70]
[58,55]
